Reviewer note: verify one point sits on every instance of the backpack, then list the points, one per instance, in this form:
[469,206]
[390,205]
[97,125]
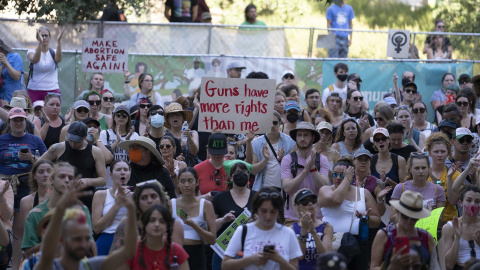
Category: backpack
[52,53]
[294,168]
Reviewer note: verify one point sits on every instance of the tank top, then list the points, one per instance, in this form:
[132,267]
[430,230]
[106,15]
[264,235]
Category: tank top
[311,255]
[464,249]
[189,232]
[344,152]
[109,202]
[53,133]
[392,174]
[391,232]
[341,217]
[85,164]
[103,123]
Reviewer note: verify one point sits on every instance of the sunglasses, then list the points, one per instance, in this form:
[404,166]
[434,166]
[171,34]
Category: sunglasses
[121,115]
[82,110]
[357,98]
[419,110]
[152,113]
[462,103]
[275,123]
[306,201]
[405,217]
[165,146]
[336,175]
[153,181]
[377,119]
[267,195]
[107,99]
[143,106]
[410,91]
[218,180]
[94,102]
[288,77]
[467,140]
[471,243]
[463,81]
[380,139]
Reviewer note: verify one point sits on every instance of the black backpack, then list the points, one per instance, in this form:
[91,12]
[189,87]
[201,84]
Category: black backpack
[52,53]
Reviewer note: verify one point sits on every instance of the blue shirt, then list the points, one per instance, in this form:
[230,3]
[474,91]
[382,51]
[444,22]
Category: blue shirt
[10,164]
[9,84]
[340,18]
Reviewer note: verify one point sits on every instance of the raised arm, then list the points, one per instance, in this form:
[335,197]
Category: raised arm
[58,53]
[330,197]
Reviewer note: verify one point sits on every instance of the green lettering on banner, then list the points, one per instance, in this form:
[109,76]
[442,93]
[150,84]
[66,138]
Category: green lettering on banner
[223,240]
[431,223]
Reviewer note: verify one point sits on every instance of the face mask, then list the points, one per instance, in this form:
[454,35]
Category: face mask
[135,155]
[157,121]
[449,135]
[405,81]
[342,77]
[292,117]
[471,210]
[240,179]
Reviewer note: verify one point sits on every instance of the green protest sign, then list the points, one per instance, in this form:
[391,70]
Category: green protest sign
[431,223]
[223,240]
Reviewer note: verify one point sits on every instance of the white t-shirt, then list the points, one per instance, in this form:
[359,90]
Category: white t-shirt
[341,91]
[273,176]
[45,75]
[138,96]
[196,75]
[282,237]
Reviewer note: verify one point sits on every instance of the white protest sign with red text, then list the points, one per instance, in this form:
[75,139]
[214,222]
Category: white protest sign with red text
[236,105]
[104,55]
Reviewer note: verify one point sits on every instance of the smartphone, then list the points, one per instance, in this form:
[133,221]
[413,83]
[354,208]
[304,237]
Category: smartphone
[213,193]
[24,150]
[401,242]
[268,248]
[182,213]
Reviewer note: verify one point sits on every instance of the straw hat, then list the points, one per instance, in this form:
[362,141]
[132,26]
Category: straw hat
[148,143]
[176,107]
[411,205]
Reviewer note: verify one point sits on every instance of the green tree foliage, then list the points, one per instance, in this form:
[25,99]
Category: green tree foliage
[461,16]
[67,11]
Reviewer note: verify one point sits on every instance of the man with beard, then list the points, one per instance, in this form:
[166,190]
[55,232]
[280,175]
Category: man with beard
[340,71]
[63,174]
[69,228]
[234,70]
[251,16]
[312,97]
[303,168]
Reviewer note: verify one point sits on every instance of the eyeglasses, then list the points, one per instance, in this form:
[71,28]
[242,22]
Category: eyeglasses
[441,26]
[464,81]
[467,140]
[306,201]
[121,115]
[380,139]
[275,123]
[336,175]
[357,98]
[410,91]
[419,110]
[153,181]
[269,195]
[462,103]
[405,217]
[377,119]
[218,180]
[471,243]
[94,102]
[418,154]
[107,99]
[143,106]
[165,146]
[152,113]
[45,36]
[82,110]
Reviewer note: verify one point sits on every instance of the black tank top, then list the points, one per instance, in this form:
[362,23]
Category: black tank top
[85,163]
[53,134]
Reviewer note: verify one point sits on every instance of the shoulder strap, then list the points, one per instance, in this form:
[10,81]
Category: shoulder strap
[85,264]
[436,192]
[52,53]
[374,161]
[293,165]
[317,161]
[244,235]
[271,148]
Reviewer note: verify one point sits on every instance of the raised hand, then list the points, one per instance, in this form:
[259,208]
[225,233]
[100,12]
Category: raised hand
[60,34]
[381,195]
[458,227]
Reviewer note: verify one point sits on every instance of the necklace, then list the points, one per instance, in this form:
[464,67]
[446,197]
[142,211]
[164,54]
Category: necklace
[354,183]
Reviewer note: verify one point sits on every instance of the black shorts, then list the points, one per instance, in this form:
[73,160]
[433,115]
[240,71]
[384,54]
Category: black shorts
[22,191]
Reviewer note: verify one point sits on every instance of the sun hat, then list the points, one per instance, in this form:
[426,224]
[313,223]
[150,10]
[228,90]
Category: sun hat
[143,141]
[19,102]
[302,195]
[305,126]
[324,125]
[292,105]
[76,132]
[411,205]
[176,107]
[16,112]
[461,132]
[217,144]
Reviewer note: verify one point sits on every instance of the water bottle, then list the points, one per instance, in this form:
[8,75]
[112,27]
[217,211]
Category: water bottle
[363,229]
[174,264]
[37,154]
[184,127]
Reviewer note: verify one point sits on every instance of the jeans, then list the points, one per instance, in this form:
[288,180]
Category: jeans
[216,262]
[341,48]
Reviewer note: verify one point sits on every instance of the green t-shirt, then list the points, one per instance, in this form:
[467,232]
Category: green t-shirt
[30,236]
[256,23]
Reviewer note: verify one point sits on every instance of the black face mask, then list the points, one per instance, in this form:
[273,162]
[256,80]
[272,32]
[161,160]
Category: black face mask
[405,81]
[358,86]
[342,77]
[292,117]
[240,179]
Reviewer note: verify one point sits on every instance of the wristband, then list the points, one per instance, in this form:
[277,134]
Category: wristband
[313,170]
[127,81]
[302,238]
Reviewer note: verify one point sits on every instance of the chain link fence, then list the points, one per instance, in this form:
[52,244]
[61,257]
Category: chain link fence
[270,41]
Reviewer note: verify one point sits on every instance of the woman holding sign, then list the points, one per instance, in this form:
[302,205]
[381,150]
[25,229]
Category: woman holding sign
[228,205]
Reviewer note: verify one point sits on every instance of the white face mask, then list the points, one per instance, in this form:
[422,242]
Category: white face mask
[157,121]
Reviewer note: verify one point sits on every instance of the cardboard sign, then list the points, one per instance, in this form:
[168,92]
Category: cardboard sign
[236,106]
[431,223]
[104,55]
[398,43]
[223,240]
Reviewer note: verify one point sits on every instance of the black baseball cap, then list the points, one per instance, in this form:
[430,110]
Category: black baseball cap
[217,144]
[90,119]
[77,132]
[303,194]
[464,76]
[353,77]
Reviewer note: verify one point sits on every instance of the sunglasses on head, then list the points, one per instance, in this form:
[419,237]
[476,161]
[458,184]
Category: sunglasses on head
[337,175]
[165,146]
[307,200]
[121,115]
[143,106]
[107,99]
[82,110]
[466,140]
[378,119]
[380,139]
[94,102]
[267,195]
[464,81]
[462,103]
[419,110]
[152,113]
[153,181]
[410,91]
[357,98]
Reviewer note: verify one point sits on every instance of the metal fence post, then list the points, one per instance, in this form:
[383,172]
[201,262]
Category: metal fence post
[310,43]
[100,30]
[209,38]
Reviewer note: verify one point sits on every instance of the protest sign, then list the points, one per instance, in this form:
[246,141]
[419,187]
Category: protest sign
[223,240]
[431,223]
[398,43]
[104,55]
[236,105]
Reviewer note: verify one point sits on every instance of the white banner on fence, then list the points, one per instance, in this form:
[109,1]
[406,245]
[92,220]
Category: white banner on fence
[104,55]
[236,105]
[398,43]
